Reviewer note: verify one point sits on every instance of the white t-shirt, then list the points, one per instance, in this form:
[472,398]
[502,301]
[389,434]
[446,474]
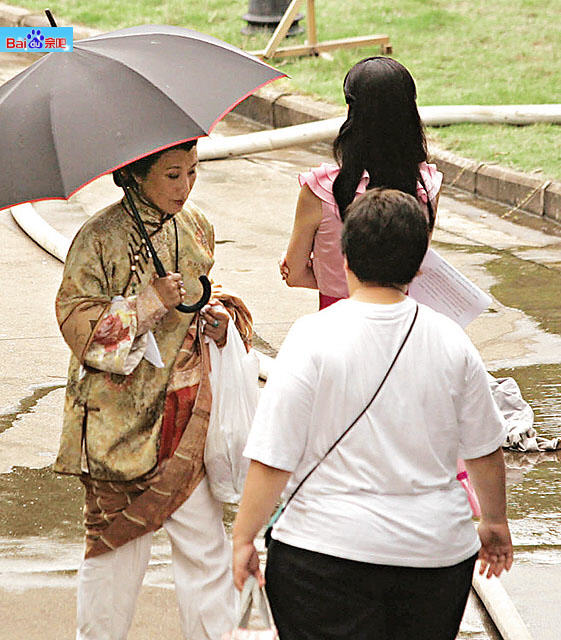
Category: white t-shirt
[387,494]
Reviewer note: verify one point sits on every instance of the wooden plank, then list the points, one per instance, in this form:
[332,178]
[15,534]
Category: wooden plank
[311,37]
[360,41]
[282,28]
[327,45]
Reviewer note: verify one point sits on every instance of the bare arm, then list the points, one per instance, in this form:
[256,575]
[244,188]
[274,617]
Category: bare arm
[262,490]
[297,269]
[488,477]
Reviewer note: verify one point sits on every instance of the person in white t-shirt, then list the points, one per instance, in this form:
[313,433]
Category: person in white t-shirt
[379,541]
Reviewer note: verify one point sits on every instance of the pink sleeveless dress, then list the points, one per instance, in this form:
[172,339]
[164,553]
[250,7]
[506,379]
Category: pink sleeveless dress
[327,262]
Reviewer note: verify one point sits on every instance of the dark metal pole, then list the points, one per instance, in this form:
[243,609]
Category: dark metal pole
[266,14]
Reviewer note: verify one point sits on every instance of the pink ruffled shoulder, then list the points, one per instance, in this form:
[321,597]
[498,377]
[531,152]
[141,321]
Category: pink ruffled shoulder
[320,181]
[432,179]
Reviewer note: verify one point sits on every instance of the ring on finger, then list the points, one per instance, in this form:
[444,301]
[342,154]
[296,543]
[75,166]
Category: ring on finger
[215,323]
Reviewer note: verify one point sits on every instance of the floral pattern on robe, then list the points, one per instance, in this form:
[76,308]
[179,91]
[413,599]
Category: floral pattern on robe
[120,340]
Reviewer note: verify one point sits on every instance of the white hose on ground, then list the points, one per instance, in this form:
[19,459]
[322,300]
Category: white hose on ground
[300,134]
[41,231]
[325,130]
[500,607]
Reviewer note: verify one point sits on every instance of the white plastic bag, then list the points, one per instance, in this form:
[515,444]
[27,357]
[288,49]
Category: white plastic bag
[234,379]
[252,594]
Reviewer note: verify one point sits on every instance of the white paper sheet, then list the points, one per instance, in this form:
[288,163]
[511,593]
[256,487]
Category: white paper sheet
[442,287]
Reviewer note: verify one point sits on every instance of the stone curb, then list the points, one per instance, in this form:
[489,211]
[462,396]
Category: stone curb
[273,108]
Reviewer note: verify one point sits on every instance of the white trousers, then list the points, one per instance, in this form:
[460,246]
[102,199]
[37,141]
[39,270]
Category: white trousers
[109,584]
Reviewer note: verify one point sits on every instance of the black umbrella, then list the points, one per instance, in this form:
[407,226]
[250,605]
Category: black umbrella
[73,116]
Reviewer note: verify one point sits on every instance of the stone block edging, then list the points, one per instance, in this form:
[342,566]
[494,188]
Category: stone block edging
[273,108]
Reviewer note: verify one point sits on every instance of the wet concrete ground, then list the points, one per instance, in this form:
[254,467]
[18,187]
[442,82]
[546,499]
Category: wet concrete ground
[251,201]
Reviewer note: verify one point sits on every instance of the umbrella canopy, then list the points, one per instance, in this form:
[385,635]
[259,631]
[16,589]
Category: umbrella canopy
[71,117]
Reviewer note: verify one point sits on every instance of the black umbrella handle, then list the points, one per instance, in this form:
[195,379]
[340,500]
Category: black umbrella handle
[160,270]
[191,308]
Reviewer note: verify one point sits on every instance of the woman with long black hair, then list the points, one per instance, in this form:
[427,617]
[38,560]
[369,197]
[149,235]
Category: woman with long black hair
[380,144]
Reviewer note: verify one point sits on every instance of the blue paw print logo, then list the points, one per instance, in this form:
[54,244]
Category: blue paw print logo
[35,40]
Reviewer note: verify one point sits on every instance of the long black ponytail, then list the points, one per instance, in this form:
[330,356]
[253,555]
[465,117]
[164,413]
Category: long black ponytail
[382,134]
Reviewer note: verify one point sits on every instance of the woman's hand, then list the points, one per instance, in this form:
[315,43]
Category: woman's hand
[216,321]
[487,475]
[170,289]
[246,563]
[496,548]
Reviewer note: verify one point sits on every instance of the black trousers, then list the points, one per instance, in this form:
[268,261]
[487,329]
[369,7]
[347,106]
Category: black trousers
[314,596]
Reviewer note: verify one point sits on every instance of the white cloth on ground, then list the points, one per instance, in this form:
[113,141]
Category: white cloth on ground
[519,418]
[109,584]
[388,493]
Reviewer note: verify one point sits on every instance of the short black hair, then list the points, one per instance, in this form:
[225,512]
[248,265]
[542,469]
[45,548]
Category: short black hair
[385,237]
[142,166]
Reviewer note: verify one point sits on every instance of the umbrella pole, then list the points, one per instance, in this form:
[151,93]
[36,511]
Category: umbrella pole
[160,270]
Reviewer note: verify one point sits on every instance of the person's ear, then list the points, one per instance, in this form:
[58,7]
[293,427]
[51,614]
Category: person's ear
[345,264]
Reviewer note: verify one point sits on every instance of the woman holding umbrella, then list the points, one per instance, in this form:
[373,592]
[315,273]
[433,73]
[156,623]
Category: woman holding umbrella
[138,399]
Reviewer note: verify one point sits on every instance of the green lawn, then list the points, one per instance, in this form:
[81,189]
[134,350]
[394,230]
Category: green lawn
[459,51]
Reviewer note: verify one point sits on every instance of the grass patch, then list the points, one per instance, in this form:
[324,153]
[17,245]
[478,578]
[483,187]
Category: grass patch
[459,52]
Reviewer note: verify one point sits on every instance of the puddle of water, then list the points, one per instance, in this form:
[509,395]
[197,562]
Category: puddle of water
[533,288]
[523,284]
[37,502]
[7,418]
[38,562]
